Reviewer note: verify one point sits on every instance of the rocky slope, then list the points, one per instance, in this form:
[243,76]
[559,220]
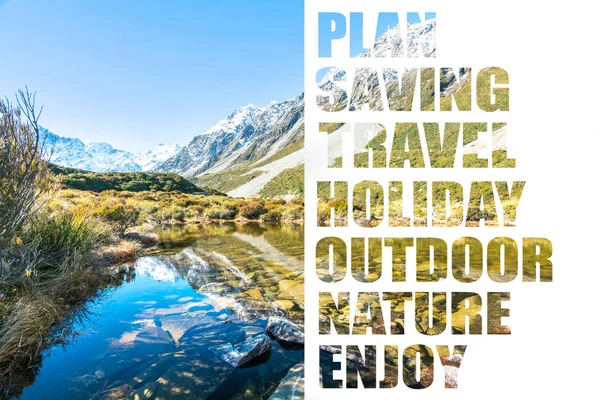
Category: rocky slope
[250,143]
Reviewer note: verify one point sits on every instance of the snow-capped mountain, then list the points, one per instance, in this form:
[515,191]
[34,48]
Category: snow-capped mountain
[419,38]
[236,145]
[102,157]
[258,151]
[210,146]
[151,159]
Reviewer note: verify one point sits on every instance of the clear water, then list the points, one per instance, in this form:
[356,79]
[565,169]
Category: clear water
[204,286]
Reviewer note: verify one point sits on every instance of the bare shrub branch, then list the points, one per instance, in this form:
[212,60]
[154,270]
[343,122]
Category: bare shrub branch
[24,174]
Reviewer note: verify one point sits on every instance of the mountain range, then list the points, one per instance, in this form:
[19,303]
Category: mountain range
[258,151]
[102,157]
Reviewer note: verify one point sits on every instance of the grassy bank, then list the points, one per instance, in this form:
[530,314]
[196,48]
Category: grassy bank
[62,257]
[51,267]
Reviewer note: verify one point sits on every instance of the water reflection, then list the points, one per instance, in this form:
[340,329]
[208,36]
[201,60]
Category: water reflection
[204,286]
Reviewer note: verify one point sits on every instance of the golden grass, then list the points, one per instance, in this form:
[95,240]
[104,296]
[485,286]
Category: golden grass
[120,252]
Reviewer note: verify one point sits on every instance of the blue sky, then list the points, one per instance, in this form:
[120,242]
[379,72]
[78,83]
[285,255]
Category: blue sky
[139,73]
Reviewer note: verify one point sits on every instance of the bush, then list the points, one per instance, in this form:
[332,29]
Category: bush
[323,215]
[173,212]
[197,210]
[275,214]
[295,213]
[15,260]
[253,210]
[221,213]
[119,214]
[128,181]
[24,175]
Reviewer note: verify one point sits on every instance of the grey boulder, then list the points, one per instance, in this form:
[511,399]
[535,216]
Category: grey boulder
[285,330]
[241,353]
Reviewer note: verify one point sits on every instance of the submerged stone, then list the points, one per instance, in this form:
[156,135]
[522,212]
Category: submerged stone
[153,339]
[178,324]
[254,293]
[291,386]
[285,330]
[146,392]
[284,304]
[289,289]
[211,333]
[193,377]
[241,353]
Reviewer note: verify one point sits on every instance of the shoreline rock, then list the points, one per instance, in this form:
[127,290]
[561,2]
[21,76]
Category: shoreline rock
[241,353]
[285,330]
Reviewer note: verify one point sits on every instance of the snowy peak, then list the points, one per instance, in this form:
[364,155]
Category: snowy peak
[248,133]
[236,121]
[153,158]
[229,136]
[102,157]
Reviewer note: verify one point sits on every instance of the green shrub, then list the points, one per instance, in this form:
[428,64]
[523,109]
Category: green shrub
[221,213]
[232,206]
[275,214]
[295,212]
[119,214]
[253,210]
[323,214]
[197,210]
[24,175]
[173,212]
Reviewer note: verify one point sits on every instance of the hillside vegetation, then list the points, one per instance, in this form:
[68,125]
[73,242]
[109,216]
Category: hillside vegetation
[72,178]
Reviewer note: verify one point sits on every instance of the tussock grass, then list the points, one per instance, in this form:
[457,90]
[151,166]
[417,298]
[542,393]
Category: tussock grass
[52,267]
[41,314]
[62,239]
[120,252]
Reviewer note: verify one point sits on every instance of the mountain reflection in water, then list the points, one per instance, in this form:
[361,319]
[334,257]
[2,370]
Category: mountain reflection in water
[204,286]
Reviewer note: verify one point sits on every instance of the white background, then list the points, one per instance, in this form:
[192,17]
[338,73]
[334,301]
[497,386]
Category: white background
[549,50]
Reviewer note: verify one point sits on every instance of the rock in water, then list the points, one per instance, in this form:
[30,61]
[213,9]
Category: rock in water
[291,386]
[193,376]
[285,330]
[146,392]
[153,340]
[241,353]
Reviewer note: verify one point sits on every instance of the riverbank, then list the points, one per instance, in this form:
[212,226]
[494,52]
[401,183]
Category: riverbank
[65,253]
[201,284]
[40,307]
